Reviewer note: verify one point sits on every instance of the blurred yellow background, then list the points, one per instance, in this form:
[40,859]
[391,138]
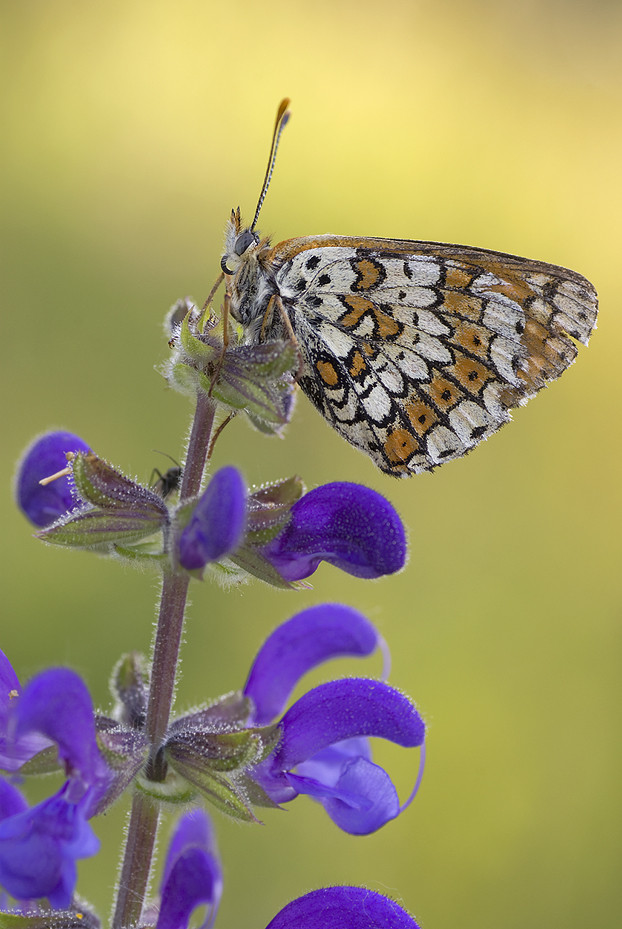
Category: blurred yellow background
[129,130]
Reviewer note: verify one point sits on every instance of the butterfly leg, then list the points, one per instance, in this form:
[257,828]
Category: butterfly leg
[226,311]
[212,292]
[217,432]
[276,302]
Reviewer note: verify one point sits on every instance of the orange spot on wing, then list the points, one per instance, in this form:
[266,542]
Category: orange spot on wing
[443,393]
[512,285]
[463,305]
[358,365]
[369,274]
[421,415]
[458,277]
[474,339]
[472,375]
[359,306]
[328,373]
[400,445]
[386,325]
[543,362]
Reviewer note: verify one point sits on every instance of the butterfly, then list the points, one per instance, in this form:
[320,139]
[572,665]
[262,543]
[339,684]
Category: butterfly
[413,351]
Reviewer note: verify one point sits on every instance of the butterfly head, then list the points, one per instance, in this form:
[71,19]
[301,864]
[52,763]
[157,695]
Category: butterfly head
[240,243]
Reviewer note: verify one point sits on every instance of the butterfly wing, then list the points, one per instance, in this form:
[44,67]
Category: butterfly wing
[416,351]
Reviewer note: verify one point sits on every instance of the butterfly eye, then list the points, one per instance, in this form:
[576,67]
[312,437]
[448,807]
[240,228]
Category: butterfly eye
[244,241]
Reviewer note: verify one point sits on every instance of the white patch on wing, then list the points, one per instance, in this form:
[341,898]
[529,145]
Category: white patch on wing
[377,404]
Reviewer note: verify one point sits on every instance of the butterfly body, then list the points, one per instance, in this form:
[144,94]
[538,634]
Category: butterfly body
[413,351]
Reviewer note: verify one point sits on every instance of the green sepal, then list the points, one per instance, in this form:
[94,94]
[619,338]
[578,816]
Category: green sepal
[120,747]
[218,751]
[92,527]
[44,762]
[254,563]
[256,794]
[221,793]
[265,426]
[214,760]
[175,789]
[99,484]
[144,553]
[269,509]
[129,685]
[201,352]
[228,713]
[252,378]
[184,378]
[43,918]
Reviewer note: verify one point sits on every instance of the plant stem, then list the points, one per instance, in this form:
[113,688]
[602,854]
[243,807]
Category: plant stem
[141,836]
[143,823]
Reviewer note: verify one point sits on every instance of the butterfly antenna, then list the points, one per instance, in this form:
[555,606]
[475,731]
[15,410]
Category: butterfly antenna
[282,118]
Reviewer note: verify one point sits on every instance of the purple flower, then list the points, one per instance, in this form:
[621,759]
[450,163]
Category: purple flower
[217,523]
[39,847]
[323,750]
[342,908]
[43,505]
[348,525]
[192,874]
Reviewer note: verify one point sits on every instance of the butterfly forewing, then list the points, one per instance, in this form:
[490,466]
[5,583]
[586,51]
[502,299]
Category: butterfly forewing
[415,351]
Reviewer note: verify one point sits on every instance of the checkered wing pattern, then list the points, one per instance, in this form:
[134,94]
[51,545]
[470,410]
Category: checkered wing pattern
[416,351]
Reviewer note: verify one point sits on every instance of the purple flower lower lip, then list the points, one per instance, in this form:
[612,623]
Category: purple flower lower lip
[322,752]
[43,505]
[348,525]
[342,908]
[39,846]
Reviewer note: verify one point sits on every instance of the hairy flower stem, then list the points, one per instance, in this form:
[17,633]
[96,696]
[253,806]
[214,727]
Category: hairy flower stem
[143,824]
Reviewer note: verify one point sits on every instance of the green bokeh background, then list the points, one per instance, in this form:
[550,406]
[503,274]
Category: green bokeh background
[130,129]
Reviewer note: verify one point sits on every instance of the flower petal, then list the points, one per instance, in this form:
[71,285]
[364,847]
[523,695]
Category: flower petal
[342,908]
[39,848]
[340,710]
[217,524]
[309,638]
[57,704]
[14,752]
[362,800]
[192,874]
[348,525]
[43,505]
[11,800]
